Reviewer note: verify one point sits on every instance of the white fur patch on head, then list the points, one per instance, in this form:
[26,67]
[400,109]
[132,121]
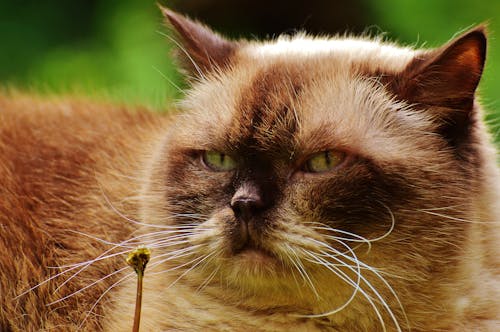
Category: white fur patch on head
[352,49]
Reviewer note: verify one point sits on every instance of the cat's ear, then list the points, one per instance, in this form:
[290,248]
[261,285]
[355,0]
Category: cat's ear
[444,80]
[201,49]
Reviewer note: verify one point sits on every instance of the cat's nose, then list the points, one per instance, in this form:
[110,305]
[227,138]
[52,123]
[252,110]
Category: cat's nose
[247,202]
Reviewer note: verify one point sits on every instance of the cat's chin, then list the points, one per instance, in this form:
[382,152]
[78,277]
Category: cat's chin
[254,255]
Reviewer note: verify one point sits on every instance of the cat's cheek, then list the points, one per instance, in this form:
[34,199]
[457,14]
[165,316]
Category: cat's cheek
[210,232]
[188,182]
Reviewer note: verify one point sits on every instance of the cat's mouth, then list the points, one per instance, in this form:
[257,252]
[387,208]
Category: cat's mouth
[251,248]
[248,243]
[254,256]
[257,256]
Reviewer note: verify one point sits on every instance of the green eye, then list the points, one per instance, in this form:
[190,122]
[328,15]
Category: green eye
[324,161]
[218,161]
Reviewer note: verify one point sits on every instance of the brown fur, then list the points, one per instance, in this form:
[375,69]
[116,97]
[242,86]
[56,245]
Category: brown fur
[420,174]
[58,160]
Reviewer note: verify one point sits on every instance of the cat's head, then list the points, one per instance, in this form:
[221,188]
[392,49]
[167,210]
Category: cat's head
[306,172]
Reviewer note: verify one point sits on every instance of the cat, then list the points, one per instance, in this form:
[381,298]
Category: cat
[302,184]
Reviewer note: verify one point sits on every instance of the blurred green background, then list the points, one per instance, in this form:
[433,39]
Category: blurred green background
[115,49]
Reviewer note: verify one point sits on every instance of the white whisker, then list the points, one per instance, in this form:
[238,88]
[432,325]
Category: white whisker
[102,295]
[379,297]
[445,216]
[135,222]
[348,280]
[302,271]
[88,286]
[101,257]
[208,280]
[202,259]
[344,277]
[169,80]
[197,68]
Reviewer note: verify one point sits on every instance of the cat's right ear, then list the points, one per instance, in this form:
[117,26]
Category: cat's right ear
[201,49]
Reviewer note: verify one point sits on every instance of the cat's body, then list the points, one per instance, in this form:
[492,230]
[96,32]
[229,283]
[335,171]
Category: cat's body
[360,180]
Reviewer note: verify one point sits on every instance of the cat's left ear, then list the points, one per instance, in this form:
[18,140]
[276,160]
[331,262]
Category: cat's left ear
[202,50]
[449,75]
[444,80]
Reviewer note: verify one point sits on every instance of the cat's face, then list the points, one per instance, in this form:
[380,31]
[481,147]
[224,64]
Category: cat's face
[302,175]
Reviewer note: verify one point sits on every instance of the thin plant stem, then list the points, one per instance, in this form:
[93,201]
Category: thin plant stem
[138,259]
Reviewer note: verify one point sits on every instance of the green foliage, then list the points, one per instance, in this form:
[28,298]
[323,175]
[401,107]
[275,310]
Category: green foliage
[123,57]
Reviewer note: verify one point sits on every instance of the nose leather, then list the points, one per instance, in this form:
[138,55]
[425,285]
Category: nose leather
[247,202]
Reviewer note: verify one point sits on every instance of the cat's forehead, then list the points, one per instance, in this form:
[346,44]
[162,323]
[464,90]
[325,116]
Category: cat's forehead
[304,94]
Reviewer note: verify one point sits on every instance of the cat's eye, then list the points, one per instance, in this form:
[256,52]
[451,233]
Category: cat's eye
[218,161]
[324,161]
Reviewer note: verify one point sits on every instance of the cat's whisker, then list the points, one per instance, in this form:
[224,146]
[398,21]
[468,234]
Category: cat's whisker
[190,247]
[334,268]
[88,286]
[344,277]
[153,245]
[209,279]
[357,272]
[138,223]
[72,267]
[354,259]
[374,271]
[295,260]
[195,65]
[291,268]
[386,283]
[356,285]
[451,218]
[355,237]
[169,80]
[45,281]
[393,224]
[176,254]
[440,208]
[169,256]
[197,262]
[131,274]
[103,256]
[168,243]
[134,242]
[116,245]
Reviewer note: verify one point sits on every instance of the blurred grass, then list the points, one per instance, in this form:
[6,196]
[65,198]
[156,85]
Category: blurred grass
[112,49]
[123,57]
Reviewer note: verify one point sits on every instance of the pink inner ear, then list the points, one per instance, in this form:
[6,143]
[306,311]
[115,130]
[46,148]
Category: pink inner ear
[200,44]
[467,54]
[469,46]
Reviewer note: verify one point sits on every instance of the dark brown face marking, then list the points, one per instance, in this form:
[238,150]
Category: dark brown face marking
[265,118]
[247,204]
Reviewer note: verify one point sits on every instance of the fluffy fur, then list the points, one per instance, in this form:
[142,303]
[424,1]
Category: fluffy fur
[402,235]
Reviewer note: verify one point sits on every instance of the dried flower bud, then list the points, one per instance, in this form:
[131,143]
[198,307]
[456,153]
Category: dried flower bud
[138,259]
